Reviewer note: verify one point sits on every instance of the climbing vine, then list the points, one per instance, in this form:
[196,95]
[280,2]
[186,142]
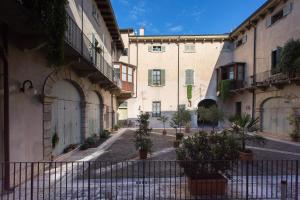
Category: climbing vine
[52,22]
[189,91]
[225,89]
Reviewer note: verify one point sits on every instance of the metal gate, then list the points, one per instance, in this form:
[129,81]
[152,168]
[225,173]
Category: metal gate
[66,116]
[95,114]
[275,114]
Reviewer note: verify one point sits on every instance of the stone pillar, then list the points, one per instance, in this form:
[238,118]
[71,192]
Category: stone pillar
[47,135]
[84,120]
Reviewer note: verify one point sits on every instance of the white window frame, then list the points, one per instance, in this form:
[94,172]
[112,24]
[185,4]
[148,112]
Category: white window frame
[156,108]
[95,12]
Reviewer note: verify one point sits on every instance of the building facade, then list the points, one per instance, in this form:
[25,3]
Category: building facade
[72,102]
[246,57]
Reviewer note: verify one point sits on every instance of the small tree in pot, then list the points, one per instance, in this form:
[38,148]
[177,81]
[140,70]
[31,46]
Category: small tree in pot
[163,119]
[241,126]
[201,157]
[143,142]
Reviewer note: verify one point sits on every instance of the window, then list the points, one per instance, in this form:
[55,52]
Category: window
[125,52]
[117,70]
[95,12]
[156,109]
[130,73]
[189,77]
[240,72]
[241,41]
[275,59]
[189,48]
[124,73]
[231,73]
[156,77]
[156,48]
[272,19]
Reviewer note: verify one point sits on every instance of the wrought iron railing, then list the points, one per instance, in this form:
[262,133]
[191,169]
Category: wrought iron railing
[273,76]
[81,43]
[258,179]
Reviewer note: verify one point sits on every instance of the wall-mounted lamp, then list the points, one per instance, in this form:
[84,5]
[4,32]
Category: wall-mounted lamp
[27,85]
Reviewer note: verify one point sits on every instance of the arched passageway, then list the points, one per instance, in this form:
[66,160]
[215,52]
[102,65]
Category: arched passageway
[206,103]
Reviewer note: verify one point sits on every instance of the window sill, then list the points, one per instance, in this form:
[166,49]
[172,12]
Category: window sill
[156,85]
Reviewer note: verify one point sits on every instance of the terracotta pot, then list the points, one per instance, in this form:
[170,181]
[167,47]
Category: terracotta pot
[246,155]
[143,154]
[179,136]
[164,132]
[217,185]
[176,143]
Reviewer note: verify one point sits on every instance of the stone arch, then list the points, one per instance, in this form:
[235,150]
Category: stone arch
[273,114]
[48,100]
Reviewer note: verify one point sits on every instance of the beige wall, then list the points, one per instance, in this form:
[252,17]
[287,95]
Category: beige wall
[207,57]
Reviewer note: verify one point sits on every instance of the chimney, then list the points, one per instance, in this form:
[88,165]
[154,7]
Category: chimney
[142,31]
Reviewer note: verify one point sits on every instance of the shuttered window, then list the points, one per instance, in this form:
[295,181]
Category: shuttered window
[156,109]
[287,9]
[275,59]
[124,73]
[189,77]
[156,48]
[189,48]
[130,71]
[156,77]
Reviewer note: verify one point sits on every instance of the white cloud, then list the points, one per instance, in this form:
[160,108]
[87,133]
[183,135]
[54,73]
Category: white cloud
[175,29]
[137,11]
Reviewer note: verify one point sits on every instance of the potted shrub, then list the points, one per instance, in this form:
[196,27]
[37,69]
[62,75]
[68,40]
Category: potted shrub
[143,142]
[241,126]
[163,119]
[200,156]
[213,115]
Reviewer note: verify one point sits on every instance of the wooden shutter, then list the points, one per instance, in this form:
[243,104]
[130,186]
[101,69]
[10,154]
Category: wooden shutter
[278,56]
[287,9]
[189,77]
[150,77]
[163,48]
[162,77]
[268,21]
[244,39]
[150,48]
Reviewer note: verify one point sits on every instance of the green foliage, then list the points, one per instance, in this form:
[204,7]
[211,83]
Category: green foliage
[295,122]
[55,140]
[142,135]
[53,23]
[181,117]
[212,114]
[116,127]
[241,126]
[189,91]
[225,89]
[90,142]
[163,119]
[290,57]
[104,134]
[203,147]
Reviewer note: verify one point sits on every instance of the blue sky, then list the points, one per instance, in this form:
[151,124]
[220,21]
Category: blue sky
[183,16]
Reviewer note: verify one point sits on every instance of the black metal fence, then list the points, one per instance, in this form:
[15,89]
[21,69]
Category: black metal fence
[150,179]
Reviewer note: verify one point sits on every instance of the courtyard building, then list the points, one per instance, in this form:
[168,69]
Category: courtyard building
[247,58]
[70,102]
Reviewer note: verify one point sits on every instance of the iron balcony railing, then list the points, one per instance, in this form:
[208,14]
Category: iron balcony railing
[81,43]
[257,179]
[274,76]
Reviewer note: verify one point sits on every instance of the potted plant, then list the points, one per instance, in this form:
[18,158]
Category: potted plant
[203,157]
[186,120]
[241,126]
[213,115]
[143,142]
[163,119]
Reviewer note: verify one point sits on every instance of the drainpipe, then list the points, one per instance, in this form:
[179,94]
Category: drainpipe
[112,111]
[137,66]
[254,72]
[3,53]
[81,27]
[179,122]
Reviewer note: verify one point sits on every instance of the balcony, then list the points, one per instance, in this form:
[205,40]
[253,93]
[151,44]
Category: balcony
[234,72]
[125,73]
[90,58]
[269,78]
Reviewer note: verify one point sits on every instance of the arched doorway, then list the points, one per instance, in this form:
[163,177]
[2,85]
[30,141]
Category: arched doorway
[275,113]
[66,115]
[95,114]
[206,103]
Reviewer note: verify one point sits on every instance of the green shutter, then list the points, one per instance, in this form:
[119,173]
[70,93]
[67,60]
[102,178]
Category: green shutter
[162,77]
[189,77]
[150,48]
[150,77]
